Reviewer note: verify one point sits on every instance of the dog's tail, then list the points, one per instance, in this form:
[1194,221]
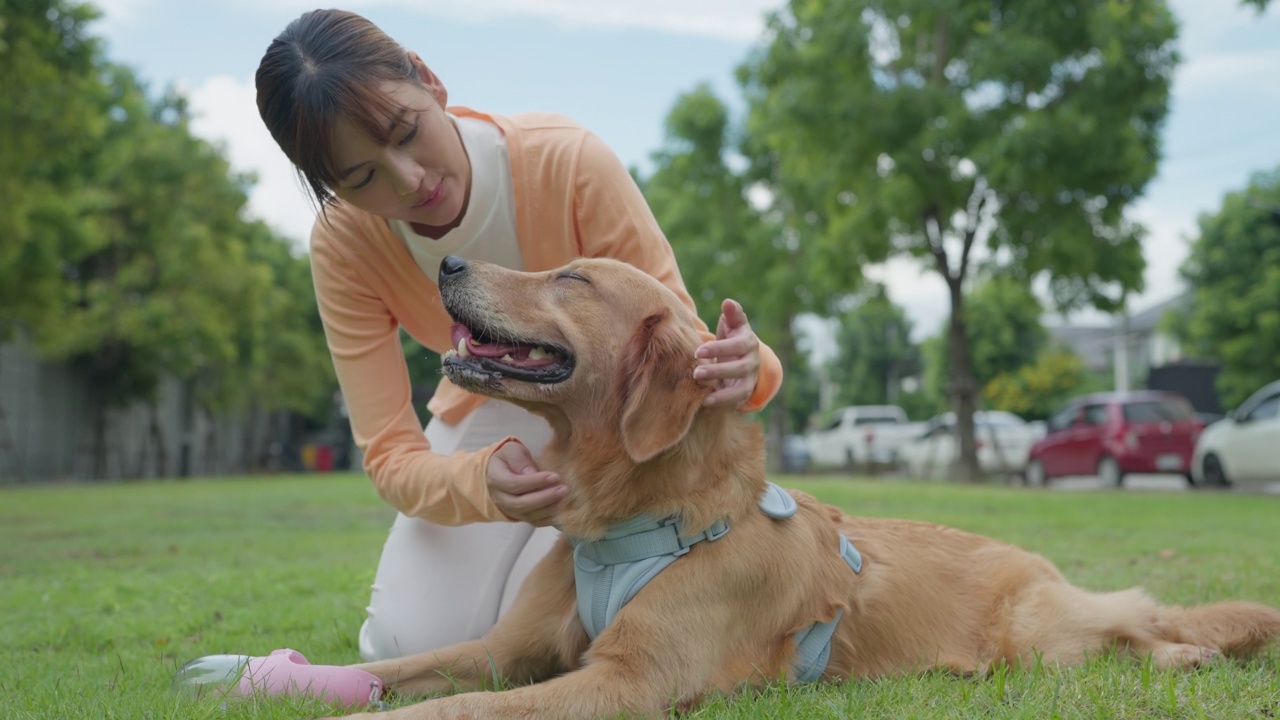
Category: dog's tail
[1235,628]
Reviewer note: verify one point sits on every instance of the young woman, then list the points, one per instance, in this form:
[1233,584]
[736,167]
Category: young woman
[402,182]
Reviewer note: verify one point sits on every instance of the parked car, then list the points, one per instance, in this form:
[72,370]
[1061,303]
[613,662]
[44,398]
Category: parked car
[1003,441]
[1112,435]
[1243,446]
[860,435]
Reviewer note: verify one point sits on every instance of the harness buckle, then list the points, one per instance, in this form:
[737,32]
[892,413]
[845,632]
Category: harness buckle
[717,530]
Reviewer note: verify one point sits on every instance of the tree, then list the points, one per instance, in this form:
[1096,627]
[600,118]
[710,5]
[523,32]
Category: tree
[1233,270]
[726,247]
[124,249]
[935,129]
[874,352]
[51,118]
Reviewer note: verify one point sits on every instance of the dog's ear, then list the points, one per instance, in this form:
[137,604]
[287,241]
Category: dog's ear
[660,396]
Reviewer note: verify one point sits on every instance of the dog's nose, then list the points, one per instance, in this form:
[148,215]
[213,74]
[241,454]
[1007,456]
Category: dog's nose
[452,266]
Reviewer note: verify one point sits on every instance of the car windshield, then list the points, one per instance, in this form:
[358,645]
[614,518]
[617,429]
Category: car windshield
[1158,411]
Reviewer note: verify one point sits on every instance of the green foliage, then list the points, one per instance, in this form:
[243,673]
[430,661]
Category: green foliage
[1004,327]
[1004,332]
[1234,272]
[800,394]
[424,374]
[51,119]
[874,352]
[1036,390]
[726,248]
[124,249]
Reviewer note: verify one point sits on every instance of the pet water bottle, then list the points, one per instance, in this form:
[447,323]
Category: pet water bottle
[283,672]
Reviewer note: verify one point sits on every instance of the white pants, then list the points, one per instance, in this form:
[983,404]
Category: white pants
[437,585]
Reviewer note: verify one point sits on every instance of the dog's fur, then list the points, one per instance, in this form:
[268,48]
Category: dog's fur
[631,437]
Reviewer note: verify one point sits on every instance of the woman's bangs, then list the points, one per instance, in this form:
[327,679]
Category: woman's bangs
[362,104]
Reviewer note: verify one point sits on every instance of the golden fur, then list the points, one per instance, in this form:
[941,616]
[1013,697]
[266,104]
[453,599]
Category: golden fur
[632,437]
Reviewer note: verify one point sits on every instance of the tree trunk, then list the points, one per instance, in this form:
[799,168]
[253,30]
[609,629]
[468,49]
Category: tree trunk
[963,388]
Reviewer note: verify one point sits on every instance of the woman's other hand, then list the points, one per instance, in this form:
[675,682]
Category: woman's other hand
[734,355]
[519,489]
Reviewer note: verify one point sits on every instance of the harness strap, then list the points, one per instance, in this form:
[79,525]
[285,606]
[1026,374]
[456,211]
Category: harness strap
[608,572]
[813,645]
[664,538]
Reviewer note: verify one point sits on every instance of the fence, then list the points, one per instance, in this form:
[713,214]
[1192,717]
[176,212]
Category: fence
[49,430]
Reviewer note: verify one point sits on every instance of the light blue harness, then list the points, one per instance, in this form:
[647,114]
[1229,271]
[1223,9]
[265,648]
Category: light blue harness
[609,572]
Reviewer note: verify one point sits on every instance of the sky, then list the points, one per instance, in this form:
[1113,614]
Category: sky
[618,66]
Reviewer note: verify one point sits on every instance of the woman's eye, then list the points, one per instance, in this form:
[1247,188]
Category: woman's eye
[368,178]
[410,135]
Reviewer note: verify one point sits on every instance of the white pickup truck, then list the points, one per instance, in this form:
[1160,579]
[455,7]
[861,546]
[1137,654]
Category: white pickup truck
[860,436]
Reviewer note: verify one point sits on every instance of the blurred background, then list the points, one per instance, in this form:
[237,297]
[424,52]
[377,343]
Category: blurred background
[949,219]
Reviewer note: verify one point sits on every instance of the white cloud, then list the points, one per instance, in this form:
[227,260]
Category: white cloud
[1252,72]
[225,112]
[741,20]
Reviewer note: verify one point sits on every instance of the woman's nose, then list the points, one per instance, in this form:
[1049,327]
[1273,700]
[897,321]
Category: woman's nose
[408,175]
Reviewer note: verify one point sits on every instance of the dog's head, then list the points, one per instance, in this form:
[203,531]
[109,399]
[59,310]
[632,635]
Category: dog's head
[597,344]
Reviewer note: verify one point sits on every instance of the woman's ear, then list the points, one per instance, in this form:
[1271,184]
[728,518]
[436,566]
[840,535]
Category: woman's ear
[430,79]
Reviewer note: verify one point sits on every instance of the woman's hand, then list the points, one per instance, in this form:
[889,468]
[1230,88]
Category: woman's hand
[519,489]
[734,355]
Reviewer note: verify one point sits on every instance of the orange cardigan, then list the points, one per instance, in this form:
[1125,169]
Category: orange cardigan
[573,198]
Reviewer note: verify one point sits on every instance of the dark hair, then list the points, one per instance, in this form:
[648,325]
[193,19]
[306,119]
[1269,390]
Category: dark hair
[325,65]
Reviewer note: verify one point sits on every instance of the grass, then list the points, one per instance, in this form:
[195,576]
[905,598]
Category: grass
[105,590]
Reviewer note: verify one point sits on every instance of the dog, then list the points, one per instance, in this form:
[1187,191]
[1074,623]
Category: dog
[605,353]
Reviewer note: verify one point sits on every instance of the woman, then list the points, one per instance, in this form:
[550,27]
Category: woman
[401,183]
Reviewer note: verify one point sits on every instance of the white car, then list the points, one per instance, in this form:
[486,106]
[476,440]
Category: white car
[1244,446]
[1004,440]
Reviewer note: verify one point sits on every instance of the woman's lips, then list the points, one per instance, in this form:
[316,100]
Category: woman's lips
[433,198]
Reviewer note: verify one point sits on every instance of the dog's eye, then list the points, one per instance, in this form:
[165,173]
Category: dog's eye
[569,275]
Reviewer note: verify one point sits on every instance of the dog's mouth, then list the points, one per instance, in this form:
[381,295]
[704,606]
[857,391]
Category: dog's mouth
[480,358]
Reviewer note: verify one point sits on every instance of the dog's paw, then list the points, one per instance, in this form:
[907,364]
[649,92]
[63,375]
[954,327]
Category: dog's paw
[1183,656]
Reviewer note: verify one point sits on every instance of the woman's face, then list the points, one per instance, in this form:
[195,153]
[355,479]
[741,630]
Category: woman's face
[421,176]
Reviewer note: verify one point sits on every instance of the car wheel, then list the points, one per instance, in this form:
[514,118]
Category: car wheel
[1109,472]
[1034,475]
[1214,475]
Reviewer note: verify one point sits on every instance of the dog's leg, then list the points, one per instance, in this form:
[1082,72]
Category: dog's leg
[671,644]
[1064,624]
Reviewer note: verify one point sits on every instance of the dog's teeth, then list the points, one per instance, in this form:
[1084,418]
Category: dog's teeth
[463,350]
[450,353]
[539,354]
[507,358]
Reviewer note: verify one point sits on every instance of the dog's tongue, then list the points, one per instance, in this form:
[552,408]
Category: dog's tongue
[461,333]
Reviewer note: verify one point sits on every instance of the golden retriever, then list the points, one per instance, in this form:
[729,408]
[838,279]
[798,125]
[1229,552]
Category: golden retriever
[606,354]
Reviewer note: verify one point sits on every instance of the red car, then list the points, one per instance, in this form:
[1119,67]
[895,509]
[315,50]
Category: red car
[1113,434]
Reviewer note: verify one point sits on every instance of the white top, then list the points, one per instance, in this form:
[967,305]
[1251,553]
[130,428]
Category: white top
[488,230]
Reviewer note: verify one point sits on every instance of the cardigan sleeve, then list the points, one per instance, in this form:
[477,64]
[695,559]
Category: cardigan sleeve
[614,220]
[364,342]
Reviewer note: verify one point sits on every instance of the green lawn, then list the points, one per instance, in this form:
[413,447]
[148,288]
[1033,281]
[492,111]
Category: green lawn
[106,589]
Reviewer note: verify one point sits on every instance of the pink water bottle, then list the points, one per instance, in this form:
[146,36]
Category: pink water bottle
[283,672]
